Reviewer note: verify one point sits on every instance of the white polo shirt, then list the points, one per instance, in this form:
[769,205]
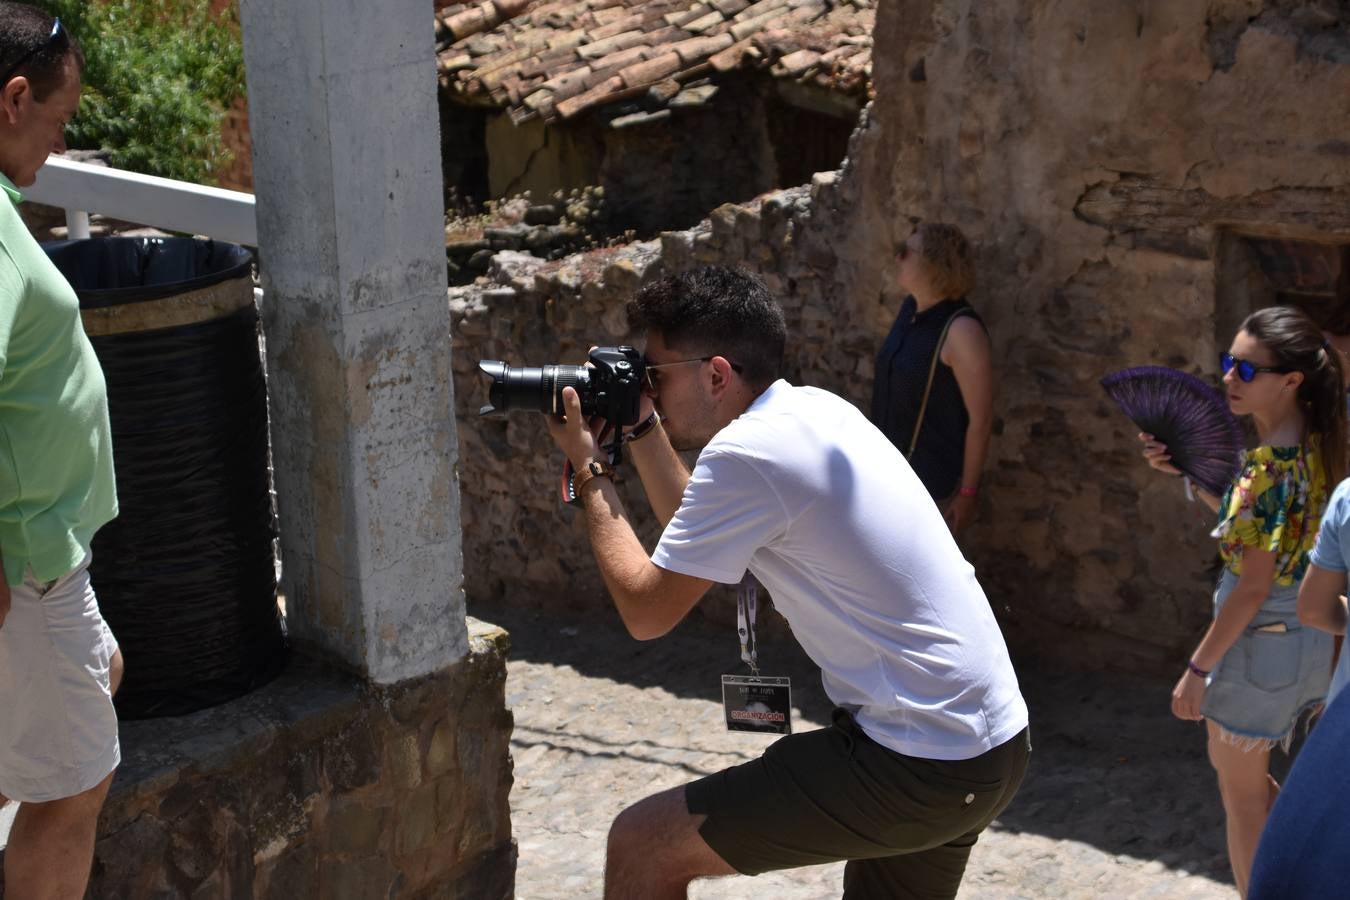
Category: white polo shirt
[804,492]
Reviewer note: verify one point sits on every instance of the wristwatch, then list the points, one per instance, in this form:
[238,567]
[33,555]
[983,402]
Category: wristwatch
[594,469]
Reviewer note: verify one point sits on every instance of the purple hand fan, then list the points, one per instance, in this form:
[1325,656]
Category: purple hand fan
[1202,436]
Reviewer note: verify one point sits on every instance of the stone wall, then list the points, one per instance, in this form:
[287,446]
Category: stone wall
[1099,155]
[316,786]
[518,539]
[659,169]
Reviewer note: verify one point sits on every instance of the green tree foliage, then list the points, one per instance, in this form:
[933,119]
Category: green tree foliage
[159,77]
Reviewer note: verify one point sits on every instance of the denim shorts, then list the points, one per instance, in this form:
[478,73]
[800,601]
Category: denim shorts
[1277,670]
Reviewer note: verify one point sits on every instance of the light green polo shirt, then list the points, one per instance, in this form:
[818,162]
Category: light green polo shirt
[56,464]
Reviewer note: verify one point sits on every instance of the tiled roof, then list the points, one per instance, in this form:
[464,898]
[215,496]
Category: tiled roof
[556,58]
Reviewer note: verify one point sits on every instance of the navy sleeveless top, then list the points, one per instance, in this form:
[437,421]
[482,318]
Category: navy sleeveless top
[897,393]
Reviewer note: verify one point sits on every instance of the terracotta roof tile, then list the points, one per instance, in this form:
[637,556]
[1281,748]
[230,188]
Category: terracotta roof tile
[730,58]
[796,63]
[597,94]
[650,70]
[700,48]
[607,65]
[556,58]
[729,7]
[610,45]
[706,22]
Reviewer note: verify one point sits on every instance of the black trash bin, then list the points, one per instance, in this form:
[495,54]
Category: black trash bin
[186,573]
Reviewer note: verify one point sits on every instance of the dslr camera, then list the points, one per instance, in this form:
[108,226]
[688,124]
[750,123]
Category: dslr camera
[611,386]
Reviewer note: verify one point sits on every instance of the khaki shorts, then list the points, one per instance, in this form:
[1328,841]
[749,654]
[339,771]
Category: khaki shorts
[58,729]
[905,824]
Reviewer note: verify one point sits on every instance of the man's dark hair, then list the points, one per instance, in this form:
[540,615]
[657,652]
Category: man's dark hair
[716,310]
[27,48]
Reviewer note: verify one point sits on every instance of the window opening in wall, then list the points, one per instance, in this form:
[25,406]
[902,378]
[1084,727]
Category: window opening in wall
[1255,271]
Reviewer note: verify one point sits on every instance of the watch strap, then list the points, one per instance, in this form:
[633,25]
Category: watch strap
[584,476]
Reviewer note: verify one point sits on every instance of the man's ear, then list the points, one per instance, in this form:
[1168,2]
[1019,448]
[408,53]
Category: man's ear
[721,373]
[12,96]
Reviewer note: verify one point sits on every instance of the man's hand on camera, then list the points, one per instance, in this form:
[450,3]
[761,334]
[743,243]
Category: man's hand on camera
[574,435]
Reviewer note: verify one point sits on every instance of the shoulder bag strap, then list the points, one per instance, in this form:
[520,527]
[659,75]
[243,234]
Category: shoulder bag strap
[932,372]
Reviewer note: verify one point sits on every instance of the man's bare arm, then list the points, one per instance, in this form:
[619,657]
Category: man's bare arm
[663,473]
[1321,600]
[650,600]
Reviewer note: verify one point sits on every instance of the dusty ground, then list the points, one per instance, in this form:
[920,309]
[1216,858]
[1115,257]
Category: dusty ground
[1119,801]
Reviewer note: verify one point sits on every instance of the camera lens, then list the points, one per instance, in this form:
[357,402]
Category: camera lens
[531,387]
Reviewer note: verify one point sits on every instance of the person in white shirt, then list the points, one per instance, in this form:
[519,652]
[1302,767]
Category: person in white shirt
[795,486]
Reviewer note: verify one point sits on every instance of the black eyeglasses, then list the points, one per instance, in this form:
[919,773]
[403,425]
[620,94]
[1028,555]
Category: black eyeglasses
[1247,371]
[654,375]
[58,34]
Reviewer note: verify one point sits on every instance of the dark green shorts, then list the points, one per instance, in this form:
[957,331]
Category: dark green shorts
[905,824]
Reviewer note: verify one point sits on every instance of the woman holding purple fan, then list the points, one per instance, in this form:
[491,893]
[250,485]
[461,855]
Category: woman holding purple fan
[1257,670]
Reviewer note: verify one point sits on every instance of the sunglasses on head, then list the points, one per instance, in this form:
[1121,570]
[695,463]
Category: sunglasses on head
[1246,371]
[57,35]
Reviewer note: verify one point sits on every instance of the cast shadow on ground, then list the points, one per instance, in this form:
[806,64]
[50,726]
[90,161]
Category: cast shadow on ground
[1111,768]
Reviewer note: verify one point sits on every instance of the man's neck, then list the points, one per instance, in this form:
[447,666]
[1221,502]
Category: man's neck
[9,189]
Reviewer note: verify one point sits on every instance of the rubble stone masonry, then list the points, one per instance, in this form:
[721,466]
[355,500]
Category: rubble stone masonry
[1098,155]
[318,786]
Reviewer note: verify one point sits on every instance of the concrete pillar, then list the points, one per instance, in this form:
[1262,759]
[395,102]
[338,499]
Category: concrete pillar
[342,108]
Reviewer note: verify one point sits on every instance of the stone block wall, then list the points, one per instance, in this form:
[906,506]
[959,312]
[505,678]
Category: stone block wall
[1099,156]
[518,539]
[316,786]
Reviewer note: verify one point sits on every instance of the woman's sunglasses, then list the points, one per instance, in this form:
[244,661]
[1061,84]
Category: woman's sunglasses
[58,34]
[1247,371]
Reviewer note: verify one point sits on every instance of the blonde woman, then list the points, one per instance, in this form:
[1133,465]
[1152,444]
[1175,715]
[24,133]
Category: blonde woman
[933,393]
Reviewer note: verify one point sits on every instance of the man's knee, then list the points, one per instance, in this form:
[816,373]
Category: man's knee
[662,835]
[630,830]
[650,826]
[115,669]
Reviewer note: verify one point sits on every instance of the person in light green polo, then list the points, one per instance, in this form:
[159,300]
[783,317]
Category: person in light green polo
[59,662]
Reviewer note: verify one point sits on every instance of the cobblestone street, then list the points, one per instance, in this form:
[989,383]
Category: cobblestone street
[1119,801]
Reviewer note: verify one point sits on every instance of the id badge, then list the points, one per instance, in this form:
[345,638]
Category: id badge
[760,703]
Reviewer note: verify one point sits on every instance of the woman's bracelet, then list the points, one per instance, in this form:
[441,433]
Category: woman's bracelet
[1196,670]
[969,491]
[643,428]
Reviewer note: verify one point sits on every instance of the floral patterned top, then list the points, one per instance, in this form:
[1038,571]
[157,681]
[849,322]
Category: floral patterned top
[1274,504]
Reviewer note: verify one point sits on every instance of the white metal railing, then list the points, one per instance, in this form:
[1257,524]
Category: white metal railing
[81,188]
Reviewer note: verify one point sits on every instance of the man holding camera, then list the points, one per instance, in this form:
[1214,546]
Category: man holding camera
[793,484]
[59,662]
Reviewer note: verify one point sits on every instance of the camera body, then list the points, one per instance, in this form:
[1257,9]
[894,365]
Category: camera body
[610,386]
